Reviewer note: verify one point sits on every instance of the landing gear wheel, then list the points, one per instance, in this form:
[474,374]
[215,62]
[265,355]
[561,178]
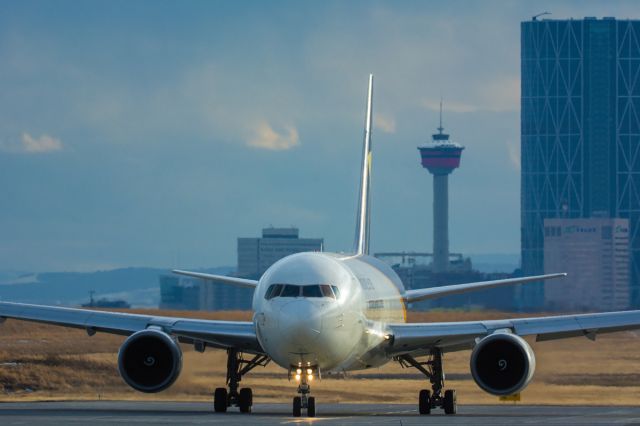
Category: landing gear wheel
[297,406]
[424,402]
[450,404]
[220,398]
[311,407]
[245,400]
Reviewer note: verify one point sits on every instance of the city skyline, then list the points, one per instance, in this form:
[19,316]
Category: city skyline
[156,134]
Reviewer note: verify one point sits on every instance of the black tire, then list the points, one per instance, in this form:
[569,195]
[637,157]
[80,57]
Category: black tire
[220,400]
[424,402]
[450,403]
[311,407]
[245,400]
[297,406]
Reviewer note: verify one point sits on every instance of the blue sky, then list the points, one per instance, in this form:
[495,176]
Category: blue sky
[155,133]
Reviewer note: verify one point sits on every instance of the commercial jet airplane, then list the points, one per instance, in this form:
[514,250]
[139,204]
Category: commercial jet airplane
[317,313]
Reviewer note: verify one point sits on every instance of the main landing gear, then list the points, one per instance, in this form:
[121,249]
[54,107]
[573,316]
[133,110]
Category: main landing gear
[303,376]
[432,368]
[237,367]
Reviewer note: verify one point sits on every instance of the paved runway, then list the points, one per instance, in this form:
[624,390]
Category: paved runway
[158,413]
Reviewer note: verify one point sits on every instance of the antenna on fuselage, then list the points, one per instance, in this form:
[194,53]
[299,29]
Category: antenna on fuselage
[364,212]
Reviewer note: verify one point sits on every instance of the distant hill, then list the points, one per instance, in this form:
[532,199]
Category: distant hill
[138,286]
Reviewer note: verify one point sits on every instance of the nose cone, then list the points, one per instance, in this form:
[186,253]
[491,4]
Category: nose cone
[301,324]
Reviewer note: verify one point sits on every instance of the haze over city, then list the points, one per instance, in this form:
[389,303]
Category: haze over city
[152,133]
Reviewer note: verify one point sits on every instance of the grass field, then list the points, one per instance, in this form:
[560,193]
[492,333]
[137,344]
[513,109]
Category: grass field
[39,362]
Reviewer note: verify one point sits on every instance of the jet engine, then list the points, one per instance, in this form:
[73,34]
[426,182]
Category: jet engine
[150,361]
[502,364]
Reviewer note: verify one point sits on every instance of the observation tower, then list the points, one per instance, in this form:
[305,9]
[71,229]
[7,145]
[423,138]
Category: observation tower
[440,157]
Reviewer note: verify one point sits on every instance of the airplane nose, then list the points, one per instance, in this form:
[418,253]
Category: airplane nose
[301,322]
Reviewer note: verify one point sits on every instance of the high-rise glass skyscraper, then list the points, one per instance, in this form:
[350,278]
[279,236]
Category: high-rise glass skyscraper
[580,132]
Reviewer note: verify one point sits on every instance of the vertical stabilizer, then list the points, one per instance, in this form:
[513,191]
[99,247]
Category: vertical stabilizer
[364,212]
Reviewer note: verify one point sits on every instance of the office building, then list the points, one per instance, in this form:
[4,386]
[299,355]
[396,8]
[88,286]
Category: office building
[255,255]
[595,254]
[580,134]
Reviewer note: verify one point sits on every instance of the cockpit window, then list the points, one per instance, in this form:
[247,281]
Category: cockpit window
[290,290]
[326,291]
[311,291]
[273,291]
[336,291]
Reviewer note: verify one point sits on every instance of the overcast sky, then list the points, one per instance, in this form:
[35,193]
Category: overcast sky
[155,133]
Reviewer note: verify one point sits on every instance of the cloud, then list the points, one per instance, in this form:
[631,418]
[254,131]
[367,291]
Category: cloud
[265,137]
[385,123]
[30,145]
[44,143]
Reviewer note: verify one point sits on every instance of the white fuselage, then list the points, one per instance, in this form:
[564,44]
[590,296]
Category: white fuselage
[338,333]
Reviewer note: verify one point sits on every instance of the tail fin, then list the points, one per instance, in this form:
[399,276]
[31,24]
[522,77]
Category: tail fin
[364,211]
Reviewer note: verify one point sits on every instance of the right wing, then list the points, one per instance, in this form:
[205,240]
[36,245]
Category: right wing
[453,336]
[241,282]
[219,334]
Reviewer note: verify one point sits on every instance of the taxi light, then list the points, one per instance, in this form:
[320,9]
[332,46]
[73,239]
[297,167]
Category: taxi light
[298,377]
[310,377]
[309,371]
[299,371]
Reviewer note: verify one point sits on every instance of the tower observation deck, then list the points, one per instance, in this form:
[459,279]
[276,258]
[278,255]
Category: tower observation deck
[440,157]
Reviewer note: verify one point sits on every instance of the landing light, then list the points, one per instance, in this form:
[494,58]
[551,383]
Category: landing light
[310,377]
[380,334]
[309,371]
[297,377]
[299,371]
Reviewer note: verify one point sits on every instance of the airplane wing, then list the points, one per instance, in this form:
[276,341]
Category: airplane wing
[447,290]
[219,334]
[453,336]
[241,282]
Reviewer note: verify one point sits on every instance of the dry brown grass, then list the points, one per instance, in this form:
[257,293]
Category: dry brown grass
[39,362]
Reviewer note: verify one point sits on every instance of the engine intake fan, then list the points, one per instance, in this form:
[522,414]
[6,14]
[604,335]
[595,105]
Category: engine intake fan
[502,364]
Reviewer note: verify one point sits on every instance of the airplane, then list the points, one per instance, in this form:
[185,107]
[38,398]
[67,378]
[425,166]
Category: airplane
[317,313]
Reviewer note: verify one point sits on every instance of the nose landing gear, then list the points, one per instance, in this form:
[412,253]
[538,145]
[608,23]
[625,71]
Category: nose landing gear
[237,367]
[432,368]
[303,376]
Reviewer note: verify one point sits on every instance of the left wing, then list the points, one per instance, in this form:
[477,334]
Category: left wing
[448,290]
[218,334]
[453,336]
[241,282]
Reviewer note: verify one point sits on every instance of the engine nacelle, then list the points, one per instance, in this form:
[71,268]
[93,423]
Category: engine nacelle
[150,361]
[502,364]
